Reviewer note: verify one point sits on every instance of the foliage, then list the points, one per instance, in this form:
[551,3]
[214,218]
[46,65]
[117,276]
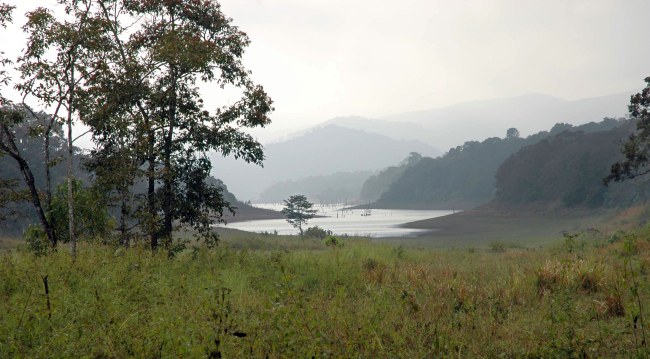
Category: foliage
[298,211]
[36,240]
[317,232]
[155,118]
[566,170]
[14,192]
[91,216]
[637,148]
[333,241]
[465,176]
[512,133]
[131,71]
[379,183]
[11,117]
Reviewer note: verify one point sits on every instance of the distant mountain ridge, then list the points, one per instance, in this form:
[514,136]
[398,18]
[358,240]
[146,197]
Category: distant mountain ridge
[340,187]
[323,151]
[451,126]
[477,120]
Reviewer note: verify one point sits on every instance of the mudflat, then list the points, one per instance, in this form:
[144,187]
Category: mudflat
[483,227]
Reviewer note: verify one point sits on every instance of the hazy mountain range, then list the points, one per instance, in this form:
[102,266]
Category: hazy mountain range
[451,126]
[323,151]
[349,144]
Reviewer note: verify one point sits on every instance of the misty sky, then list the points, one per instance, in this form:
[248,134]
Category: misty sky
[324,58]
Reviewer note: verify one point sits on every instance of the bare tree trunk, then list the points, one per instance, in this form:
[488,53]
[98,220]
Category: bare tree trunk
[71,225]
[167,173]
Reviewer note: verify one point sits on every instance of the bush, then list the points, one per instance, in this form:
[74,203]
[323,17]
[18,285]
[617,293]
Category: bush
[333,242]
[317,232]
[36,239]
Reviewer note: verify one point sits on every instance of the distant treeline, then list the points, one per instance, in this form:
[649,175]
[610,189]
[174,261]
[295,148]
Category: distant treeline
[564,166]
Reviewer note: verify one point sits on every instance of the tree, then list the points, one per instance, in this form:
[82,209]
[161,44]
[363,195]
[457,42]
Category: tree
[298,211]
[512,133]
[637,149]
[150,92]
[57,67]
[11,116]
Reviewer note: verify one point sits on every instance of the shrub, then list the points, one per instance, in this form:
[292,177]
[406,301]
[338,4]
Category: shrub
[317,232]
[613,306]
[498,246]
[36,239]
[548,276]
[334,242]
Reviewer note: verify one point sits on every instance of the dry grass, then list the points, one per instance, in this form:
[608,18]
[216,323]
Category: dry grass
[302,299]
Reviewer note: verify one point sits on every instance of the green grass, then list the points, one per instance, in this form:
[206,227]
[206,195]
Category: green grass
[261,295]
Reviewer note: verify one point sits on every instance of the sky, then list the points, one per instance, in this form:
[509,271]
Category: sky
[320,59]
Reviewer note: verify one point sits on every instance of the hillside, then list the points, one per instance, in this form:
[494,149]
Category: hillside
[376,185]
[567,170]
[322,151]
[465,176]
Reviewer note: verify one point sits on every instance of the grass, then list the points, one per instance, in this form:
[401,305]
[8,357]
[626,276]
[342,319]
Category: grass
[264,296]
[8,243]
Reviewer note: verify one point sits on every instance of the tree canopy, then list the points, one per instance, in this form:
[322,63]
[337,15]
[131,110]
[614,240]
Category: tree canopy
[637,148]
[131,70]
[298,211]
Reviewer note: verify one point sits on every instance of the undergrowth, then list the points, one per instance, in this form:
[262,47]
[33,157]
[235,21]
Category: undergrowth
[586,298]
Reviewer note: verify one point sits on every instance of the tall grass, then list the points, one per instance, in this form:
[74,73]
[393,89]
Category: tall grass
[292,298]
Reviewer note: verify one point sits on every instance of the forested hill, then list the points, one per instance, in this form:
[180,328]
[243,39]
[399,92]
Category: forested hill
[567,170]
[465,176]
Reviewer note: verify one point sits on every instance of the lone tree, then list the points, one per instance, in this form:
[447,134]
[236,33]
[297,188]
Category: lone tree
[512,133]
[298,211]
[637,148]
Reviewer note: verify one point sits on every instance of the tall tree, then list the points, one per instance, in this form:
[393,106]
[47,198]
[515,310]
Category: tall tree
[637,149]
[155,67]
[58,63]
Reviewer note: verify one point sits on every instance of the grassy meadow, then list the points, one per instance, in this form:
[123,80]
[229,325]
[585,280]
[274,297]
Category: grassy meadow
[278,297]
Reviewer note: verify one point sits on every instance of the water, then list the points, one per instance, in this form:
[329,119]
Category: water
[373,223]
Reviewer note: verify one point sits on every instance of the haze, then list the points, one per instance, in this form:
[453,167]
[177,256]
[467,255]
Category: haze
[325,58]
[321,59]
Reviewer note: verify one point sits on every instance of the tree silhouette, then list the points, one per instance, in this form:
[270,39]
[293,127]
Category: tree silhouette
[637,148]
[298,211]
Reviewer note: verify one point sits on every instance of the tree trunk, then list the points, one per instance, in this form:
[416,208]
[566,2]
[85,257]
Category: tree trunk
[168,173]
[13,151]
[168,147]
[151,193]
[71,224]
[124,212]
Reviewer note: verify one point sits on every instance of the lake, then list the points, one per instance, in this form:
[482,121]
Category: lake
[375,223]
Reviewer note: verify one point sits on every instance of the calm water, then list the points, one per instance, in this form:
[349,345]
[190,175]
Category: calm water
[374,223]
